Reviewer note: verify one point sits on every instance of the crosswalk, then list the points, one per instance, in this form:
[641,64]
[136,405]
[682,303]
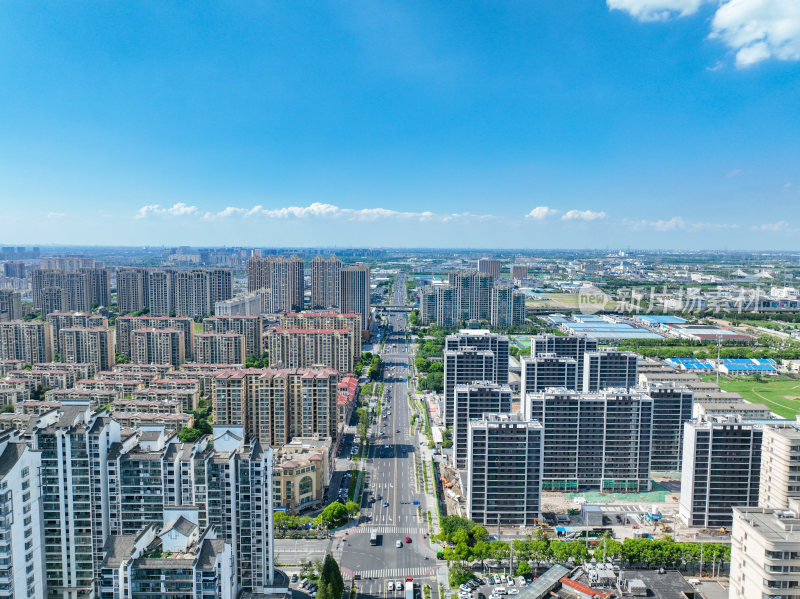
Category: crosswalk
[388,530]
[393,572]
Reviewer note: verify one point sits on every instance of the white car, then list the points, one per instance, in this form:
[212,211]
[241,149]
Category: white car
[513,592]
[390,585]
[398,543]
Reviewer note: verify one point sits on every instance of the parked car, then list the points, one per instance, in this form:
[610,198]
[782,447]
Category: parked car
[490,579]
[398,543]
[464,588]
[294,578]
[408,539]
[390,585]
[513,592]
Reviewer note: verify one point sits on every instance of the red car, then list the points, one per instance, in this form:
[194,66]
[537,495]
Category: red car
[408,539]
[409,578]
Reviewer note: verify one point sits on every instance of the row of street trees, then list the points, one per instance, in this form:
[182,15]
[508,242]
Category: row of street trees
[466,542]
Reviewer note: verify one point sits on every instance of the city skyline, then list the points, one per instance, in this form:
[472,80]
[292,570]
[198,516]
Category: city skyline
[653,123]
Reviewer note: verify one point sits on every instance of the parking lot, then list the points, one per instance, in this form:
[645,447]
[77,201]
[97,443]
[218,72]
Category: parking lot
[487,587]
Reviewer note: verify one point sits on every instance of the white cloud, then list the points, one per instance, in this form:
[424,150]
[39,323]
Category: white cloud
[755,30]
[313,210]
[759,29]
[656,10]
[583,215]
[56,215]
[779,227]
[676,223]
[178,209]
[541,213]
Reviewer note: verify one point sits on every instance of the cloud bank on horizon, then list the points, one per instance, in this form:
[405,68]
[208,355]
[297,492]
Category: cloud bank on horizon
[754,30]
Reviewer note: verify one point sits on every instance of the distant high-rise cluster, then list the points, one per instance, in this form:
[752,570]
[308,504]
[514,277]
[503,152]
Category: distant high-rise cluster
[172,292]
[472,295]
[284,277]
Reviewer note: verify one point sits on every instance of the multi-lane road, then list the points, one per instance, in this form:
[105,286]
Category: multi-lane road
[390,480]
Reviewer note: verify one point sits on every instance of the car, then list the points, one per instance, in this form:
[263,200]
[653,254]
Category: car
[500,591]
[313,594]
[481,596]
[464,595]
[473,583]
[303,583]
[465,588]
[398,585]
[378,496]
[409,578]
[398,543]
[513,592]
[490,579]
[294,578]
[390,585]
[510,581]
[408,539]
[397,431]
[385,504]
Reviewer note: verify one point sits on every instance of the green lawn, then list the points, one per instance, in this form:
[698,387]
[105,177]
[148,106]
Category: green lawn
[779,394]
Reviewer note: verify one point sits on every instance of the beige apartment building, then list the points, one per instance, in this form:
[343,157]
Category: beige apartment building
[93,345]
[311,348]
[219,348]
[30,342]
[158,346]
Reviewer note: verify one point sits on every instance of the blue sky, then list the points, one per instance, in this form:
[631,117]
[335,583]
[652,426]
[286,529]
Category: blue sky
[626,123]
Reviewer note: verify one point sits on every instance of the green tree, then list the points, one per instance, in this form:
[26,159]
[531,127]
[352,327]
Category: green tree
[459,536]
[280,520]
[450,524]
[189,435]
[331,576]
[523,569]
[333,514]
[435,381]
[499,551]
[462,552]
[121,359]
[6,409]
[458,575]
[352,509]
[480,551]
[479,534]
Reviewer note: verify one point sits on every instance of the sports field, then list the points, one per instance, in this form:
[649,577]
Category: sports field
[779,394]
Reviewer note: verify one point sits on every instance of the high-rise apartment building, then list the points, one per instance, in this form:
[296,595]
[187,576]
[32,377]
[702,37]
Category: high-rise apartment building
[720,469]
[75,503]
[672,407]
[250,327]
[354,291]
[159,293]
[219,348]
[448,312]
[507,491]
[311,348]
[472,402]
[765,552]
[10,305]
[125,325]
[598,441]
[469,356]
[779,480]
[427,304]
[87,346]
[325,282]
[574,346]
[543,371]
[283,276]
[489,266]
[133,290]
[275,405]
[60,290]
[99,287]
[69,263]
[609,369]
[65,320]
[21,551]
[244,304]
[507,307]
[519,271]
[311,319]
[14,270]
[473,290]
[158,346]
[31,342]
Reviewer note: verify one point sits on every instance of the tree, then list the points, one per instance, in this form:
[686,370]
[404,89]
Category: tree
[121,359]
[280,520]
[479,533]
[450,524]
[189,435]
[331,576]
[352,509]
[435,381]
[458,575]
[6,409]
[480,551]
[499,551]
[333,514]
[523,569]
[459,536]
[462,552]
